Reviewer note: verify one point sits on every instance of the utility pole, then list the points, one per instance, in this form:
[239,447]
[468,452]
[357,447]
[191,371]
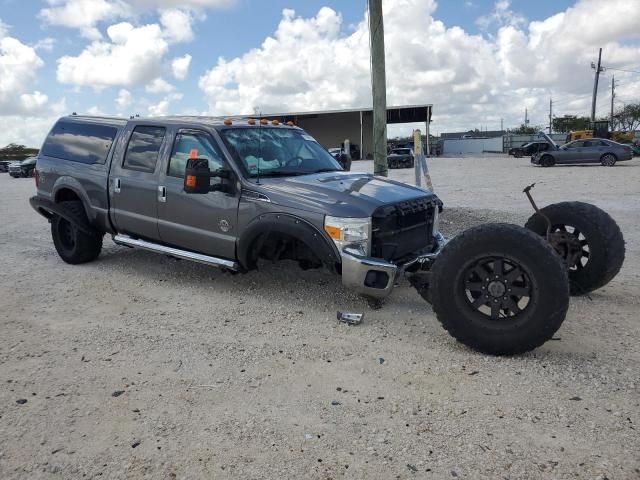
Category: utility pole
[613,96]
[550,114]
[501,125]
[526,117]
[378,87]
[598,69]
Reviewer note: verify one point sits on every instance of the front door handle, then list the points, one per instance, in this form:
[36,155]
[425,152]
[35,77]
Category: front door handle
[116,187]
[162,193]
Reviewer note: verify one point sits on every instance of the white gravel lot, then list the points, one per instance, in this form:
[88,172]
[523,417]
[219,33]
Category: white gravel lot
[251,376]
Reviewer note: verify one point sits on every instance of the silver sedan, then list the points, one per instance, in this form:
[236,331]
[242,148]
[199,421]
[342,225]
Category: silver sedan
[592,150]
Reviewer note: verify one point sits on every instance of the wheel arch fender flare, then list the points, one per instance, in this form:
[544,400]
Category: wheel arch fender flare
[72,184]
[294,226]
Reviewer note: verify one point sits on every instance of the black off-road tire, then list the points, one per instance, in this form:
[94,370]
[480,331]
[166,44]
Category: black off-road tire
[543,273]
[547,161]
[72,244]
[602,235]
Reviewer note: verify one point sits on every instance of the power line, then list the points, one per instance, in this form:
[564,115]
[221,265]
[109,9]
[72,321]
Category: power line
[621,70]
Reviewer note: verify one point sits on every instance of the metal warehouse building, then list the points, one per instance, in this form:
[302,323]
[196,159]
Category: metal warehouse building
[332,127]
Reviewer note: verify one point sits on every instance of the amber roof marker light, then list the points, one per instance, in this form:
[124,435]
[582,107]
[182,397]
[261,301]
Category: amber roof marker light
[227,121]
[251,121]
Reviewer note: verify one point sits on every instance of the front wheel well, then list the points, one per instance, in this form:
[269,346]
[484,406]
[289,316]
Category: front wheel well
[275,246]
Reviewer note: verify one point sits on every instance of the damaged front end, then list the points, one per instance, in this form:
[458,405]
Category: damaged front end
[404,239]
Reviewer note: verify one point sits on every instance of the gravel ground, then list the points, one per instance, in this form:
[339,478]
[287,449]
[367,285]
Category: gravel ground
[140,366]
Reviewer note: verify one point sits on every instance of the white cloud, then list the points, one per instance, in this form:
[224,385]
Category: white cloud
[85,15]
[133,56]
[123,101]
[162,108]
[180,67]
[95,110]
[159,85]
[45,44]
[176,25]
[502,15]
[472,80]
[4,29]
[18,68]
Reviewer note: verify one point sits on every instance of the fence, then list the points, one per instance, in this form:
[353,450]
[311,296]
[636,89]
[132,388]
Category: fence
[472,145]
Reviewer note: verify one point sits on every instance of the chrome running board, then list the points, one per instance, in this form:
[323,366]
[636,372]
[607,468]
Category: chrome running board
[174,252]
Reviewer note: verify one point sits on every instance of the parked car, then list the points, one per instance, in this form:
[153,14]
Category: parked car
[593,150]
[228,193]
[25,168]
[530,148]
[335,152]
[4,165]
[401,158]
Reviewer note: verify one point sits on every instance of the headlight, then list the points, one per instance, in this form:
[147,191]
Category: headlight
[436,220]
[349,231]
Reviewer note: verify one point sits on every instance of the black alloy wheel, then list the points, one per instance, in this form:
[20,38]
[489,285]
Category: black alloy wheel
[497,287]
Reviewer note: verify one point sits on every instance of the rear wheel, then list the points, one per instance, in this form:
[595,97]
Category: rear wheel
[608,160]
[499,289]
[587,238]
[72,244]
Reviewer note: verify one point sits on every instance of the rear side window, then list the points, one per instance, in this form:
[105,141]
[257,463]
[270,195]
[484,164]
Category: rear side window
[79,142]
[143,148]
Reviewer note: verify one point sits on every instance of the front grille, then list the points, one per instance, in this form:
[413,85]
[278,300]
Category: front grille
[403,229]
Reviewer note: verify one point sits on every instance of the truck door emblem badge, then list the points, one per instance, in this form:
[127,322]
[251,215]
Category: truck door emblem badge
[224,225]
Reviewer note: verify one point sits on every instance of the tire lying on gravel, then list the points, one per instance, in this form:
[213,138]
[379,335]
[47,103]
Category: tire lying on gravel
[499,289]
[72,244]
[587,238]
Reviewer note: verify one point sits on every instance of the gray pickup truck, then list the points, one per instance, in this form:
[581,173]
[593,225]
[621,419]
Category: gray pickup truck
[229,192]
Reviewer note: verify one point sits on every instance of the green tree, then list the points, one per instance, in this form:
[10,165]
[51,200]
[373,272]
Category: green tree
[570,123]
[14,151]
[526,130]
[628,117]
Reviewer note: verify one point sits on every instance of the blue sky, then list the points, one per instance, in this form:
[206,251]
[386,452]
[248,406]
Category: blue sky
[458,66]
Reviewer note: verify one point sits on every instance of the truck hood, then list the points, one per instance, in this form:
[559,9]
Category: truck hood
[341,194]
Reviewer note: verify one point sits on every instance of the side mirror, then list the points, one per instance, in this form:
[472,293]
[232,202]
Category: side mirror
[197,175]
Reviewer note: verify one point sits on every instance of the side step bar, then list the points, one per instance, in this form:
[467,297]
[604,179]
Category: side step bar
[175,252]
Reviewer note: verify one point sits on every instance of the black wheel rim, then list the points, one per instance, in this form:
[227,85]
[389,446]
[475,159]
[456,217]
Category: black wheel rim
[497,287]
[572,245]
[67,234]
[608,160]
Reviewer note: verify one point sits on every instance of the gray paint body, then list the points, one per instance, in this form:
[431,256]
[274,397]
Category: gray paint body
[195,221]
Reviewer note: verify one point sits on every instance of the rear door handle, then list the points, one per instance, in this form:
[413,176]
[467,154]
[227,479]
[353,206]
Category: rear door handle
[116,187]
[162,193]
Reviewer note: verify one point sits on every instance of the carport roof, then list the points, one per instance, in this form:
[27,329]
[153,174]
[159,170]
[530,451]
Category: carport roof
[397,114]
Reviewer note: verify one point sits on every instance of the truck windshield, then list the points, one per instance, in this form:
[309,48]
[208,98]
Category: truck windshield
[271,152]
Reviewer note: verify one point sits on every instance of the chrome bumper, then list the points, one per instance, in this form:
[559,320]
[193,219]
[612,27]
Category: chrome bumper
[375,277]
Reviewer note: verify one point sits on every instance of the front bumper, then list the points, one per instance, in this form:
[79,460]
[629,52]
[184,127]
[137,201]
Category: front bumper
[375,277]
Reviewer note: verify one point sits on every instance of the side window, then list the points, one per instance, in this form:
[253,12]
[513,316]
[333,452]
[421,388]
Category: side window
[589,143]
[79,142]
[185,143]
[577,144]
[143,148]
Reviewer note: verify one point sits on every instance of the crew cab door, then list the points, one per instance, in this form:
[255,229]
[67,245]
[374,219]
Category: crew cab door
[134,182]
[203,223]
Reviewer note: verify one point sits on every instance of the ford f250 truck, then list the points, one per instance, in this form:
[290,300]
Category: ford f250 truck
[229,192]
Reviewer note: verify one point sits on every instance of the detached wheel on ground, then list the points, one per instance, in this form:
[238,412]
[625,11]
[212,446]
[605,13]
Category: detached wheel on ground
[72,244]
[499,289]
[587,238]
[608,160]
